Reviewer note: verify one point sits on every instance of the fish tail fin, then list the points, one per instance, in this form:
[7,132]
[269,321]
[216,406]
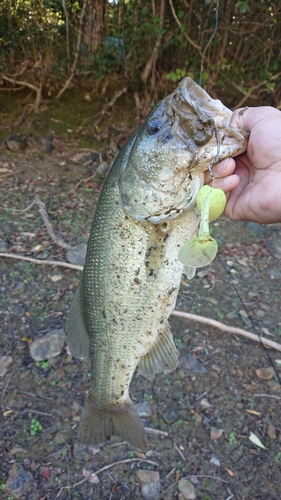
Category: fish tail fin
[98,424]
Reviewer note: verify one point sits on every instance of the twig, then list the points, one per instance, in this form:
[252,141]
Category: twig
[266,396]
[42,261]
[80,32]
[109,105]
[81,182]
[4,390]
[16,210]
[247,94]
[44,215]
[197,47]
[226,328]
[10,174]
[33,396]
[156,431]
[30,411]
[103,469]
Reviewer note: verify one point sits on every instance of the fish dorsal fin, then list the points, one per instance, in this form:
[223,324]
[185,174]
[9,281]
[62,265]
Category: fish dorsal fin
[77,336]
[162,356]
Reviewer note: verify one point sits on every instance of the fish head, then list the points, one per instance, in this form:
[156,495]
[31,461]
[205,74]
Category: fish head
[185,133]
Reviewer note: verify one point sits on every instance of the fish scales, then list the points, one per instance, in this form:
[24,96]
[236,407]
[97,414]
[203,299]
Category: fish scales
[132,272]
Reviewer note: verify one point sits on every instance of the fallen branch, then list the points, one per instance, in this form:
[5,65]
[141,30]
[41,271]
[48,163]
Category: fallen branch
[31,86]
[103,469]
[193,317]
[41,261]
[51,233]
[230,329]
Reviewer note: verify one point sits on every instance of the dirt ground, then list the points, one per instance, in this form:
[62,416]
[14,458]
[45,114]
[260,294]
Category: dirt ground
[200,417]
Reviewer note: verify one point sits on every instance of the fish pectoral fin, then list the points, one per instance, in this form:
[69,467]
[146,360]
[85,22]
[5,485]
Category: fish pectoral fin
[189,272]
[76,333]
[162,356]
[98,424]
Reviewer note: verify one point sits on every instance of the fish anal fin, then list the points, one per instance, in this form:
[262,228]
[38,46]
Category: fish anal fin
[98,424]
[76,333]
[162,356]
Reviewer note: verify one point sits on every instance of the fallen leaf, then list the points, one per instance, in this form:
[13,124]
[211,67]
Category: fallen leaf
[94,479]
[253,412]
[256,441]
[140,455]
[230,472]
[56,277]
[265,373]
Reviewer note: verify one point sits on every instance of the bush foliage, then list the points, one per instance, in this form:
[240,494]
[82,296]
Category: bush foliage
[151,44]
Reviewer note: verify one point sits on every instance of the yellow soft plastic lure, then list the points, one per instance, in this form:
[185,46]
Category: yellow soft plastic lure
[201,251]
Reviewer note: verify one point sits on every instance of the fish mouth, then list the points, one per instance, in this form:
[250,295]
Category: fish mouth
[206,121]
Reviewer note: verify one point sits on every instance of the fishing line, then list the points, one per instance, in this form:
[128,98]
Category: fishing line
[217,157]
[250,318]
[209,41]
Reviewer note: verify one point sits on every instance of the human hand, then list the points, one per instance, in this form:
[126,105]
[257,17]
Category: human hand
[252,180]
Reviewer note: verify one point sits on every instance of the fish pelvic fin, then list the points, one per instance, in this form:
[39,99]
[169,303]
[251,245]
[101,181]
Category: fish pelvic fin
[77,336]
[162,356]
[98,424]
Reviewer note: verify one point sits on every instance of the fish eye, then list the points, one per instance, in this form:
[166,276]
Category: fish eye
[153,126]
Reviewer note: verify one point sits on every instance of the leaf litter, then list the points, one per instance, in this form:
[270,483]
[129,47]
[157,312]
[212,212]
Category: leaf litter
[235,402]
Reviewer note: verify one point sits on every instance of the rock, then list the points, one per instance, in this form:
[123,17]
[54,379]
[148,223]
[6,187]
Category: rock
[215,433]
[3,246]
[191,365]
[144,409]
[150,484]
[273,245]
[169,415]
[47,143]
[6,229]
[254,228]
[18,288]
[48,346]
[5,363]
[215,461]
[102,169]
[16,142]
[187,489]
[77,254]
[19,480]
[16,310]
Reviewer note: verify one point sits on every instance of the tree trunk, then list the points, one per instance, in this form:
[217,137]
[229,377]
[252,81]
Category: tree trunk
[94,24]
[151,61]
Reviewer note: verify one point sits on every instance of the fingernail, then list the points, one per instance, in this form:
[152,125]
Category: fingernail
[221,167]
[229,180]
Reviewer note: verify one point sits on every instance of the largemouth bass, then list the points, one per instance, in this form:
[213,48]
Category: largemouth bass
[146,212]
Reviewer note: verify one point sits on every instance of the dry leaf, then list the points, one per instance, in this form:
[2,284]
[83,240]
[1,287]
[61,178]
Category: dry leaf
[140,455]
[230,472]
[94,479]
[265,373]
[256,441]
[253,412]
[56,277]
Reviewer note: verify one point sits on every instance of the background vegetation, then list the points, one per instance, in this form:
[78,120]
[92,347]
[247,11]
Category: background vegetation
[51,46]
